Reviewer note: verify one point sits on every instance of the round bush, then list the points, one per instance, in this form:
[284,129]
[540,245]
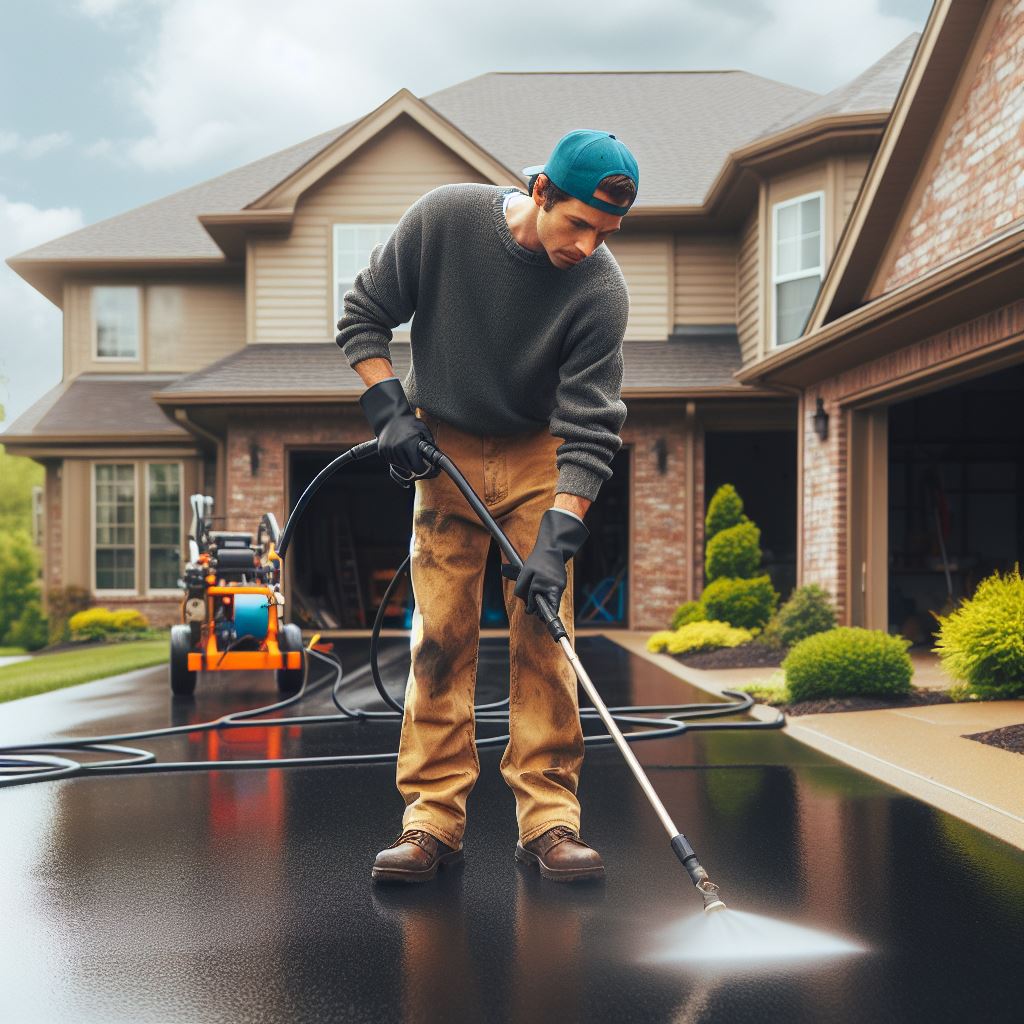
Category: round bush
[748,604]
[128,620]
[92,624]
[982,642]
[733,552]
[658,642]
[808,611]
[690,611]
[29,631]
[724,510]
[848,662]
[706,636]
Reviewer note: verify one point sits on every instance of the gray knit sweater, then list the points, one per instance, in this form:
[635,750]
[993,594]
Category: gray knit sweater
[503,341]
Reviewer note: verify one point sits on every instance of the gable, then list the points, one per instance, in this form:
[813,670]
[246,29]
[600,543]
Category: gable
[969,185]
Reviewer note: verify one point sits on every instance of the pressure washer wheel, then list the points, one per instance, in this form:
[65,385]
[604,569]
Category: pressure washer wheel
[289,680]
[183,682]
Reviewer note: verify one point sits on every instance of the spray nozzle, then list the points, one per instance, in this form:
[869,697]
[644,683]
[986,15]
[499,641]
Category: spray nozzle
[712,898]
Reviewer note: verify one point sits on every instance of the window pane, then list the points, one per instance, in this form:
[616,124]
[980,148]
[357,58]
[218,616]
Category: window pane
[789,220]
[164,526]
[353,244]
[116,313]
[787,261]
[793,301]
[810,215]
[115,527]
[810,251]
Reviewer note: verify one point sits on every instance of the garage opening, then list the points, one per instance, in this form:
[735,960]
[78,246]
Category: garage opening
[761,466]
[355,534]
[956,507]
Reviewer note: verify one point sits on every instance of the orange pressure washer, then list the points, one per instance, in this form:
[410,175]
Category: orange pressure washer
[232,612]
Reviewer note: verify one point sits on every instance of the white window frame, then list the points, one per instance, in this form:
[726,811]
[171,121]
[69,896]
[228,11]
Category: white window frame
[112,592]
[778,279]
[401,332]
[94,329]
[164,591]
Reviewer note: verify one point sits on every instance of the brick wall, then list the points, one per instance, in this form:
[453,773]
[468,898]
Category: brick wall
[824,464]
[977,185]
[659,559]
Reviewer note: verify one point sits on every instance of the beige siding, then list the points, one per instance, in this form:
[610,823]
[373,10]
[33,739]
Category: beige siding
[748,291]
[290,279]
[185,326]
[646,262]
[854,169]
[705,280]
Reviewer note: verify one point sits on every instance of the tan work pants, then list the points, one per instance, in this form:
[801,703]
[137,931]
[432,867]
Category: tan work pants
[515,477]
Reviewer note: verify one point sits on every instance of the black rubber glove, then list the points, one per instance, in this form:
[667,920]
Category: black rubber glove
[559,537]
[399,430]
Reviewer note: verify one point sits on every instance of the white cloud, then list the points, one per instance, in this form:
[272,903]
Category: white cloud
[37,146]
[241,78]
[30,325]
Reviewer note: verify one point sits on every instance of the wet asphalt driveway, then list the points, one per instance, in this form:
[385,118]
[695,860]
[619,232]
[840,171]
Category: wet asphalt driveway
[245,896]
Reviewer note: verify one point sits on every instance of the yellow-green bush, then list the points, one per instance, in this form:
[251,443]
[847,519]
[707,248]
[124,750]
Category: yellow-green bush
[688,611]
[697,636]
[808,611]
[96,623]
[747,604]
[982,642]
[848,662]
[725,509]
[733,552]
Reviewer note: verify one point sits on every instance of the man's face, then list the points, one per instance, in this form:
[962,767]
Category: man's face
[571,230]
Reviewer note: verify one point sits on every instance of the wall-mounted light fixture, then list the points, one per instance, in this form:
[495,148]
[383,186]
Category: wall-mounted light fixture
[254,459]
[821,421]
[660,450]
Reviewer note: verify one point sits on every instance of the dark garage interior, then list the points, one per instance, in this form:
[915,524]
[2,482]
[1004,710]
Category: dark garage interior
[355,535]
[956,514]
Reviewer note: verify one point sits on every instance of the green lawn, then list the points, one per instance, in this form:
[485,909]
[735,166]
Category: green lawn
[10,652]
[47,672]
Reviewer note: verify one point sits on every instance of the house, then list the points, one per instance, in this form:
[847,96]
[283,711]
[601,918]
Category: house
[770,258]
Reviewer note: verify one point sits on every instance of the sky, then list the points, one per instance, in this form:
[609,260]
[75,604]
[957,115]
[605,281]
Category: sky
[109,104]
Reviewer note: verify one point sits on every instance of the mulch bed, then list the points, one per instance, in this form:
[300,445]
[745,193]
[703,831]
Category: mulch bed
[751,655]
[920,697]
[1010,737]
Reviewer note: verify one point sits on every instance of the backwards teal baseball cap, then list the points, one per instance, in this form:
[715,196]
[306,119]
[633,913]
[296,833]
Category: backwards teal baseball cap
[582,159]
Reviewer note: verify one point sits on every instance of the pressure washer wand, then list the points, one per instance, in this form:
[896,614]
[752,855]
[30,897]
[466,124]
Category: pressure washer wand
[680,844]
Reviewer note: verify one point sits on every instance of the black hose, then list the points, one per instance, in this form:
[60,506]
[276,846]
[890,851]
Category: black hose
[29,762]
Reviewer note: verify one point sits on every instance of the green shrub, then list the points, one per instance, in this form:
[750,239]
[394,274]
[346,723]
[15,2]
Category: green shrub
[30,630]
[808,611]
[982,642]
[734,552]
[19,573]
[706,636]
[689,611]
[772,690]
[748,604]
[724,510]
[848,662]
[62,603]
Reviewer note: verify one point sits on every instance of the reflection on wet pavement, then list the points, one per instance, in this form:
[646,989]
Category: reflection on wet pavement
[237,896]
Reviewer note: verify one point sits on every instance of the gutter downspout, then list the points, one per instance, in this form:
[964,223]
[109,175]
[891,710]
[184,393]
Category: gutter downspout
[220,472]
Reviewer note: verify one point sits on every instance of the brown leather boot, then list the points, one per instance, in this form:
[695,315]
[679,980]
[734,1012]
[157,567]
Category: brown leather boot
[414,856]
[562,856]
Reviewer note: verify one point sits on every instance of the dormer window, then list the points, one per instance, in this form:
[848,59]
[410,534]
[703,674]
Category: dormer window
[798,259]
[115,322]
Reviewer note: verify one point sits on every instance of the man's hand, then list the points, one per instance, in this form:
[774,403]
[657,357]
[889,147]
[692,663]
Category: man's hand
[559,537]
[398,429]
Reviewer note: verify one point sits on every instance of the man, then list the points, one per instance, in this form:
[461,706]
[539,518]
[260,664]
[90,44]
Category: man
[516,374]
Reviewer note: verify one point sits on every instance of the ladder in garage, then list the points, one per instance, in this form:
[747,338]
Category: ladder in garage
[353,612]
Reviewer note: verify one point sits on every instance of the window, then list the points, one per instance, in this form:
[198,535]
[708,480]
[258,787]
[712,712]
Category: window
[115,317]
[115,526]
[798,258]
[164,508]
[353,244]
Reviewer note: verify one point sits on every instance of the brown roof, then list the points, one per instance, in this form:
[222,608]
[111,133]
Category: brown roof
[706,358]
[99,406]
